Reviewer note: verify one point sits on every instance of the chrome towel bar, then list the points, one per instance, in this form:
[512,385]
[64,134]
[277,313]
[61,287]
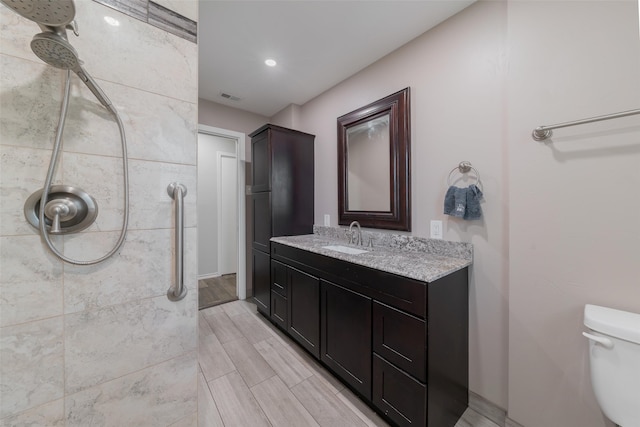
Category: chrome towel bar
[177,192]
[544,132]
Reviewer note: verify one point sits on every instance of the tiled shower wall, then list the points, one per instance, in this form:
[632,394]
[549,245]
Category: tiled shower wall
[102,344]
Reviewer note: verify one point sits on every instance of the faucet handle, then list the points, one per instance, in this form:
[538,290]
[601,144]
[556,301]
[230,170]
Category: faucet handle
[370,245]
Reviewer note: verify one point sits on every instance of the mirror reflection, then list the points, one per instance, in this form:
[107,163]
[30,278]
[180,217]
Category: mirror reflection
[368,166]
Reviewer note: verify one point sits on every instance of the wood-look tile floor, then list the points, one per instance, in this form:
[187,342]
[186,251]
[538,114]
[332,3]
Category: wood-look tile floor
[252,375]
[216,290]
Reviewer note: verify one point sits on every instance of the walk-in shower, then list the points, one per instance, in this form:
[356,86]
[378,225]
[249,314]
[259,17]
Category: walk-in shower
[67,209]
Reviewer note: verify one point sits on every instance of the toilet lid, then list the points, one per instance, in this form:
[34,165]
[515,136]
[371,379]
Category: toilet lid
[616,323]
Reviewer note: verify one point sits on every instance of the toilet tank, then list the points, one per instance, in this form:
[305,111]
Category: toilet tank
[615,323]
[614,353]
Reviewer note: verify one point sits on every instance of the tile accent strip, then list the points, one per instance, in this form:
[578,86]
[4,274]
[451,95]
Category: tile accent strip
[133,8]
[168,20]
[156,15]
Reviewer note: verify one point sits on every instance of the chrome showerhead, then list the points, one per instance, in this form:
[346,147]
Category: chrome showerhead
[55,51]
[51,13]
[52,46]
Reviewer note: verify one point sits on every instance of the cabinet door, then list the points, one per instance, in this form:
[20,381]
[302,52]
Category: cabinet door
[279,278]
[304,310]
[399,396]
[262,281]
[346,335]
[261,204]
[401,339]
[279,309]
[261,162]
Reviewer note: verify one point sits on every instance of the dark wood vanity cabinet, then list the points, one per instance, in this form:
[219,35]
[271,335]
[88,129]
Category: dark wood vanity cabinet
[346,335]
[400,344]
[295,305]
[281,199]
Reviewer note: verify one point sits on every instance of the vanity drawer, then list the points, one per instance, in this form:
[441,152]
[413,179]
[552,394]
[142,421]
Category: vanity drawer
[279,312]
[401,339]
[398,395]
[279,280]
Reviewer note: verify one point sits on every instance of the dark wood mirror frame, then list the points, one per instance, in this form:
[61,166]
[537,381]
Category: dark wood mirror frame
[399,215]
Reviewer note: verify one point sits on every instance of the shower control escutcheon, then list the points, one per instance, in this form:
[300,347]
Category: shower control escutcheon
[67,210]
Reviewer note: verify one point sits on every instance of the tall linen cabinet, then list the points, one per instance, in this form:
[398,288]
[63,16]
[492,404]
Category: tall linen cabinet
[282,168]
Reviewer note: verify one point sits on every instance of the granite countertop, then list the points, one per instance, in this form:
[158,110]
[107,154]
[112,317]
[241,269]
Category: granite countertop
[427,263]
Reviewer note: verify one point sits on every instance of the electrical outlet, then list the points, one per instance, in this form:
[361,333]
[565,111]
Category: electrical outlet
[436,229]
[327,220]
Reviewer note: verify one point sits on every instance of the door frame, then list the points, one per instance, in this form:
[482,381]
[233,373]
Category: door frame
[240,138]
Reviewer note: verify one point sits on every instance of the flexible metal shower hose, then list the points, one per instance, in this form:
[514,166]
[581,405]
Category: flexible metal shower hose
[51,172]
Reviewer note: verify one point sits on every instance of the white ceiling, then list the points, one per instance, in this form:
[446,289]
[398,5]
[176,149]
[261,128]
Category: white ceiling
[317,44]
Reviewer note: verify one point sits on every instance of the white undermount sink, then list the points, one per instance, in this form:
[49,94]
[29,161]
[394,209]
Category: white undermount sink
[345,249]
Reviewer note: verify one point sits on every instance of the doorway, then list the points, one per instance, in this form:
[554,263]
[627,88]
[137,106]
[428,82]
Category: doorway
[220,206]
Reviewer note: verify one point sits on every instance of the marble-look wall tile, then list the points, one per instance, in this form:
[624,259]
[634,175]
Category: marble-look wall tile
[156,396]
[145,57]
[114,349]
[104,344]
[22,172]
[172,22]
[188,421]
[102,178]
[160,128]
[50,415]
[157,127]
[31,372]
[30,281]
[151,205]
[31,94]
[134,8]
[16,33]
[147,259]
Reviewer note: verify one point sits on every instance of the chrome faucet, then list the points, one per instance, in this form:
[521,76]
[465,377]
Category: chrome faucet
[351,236]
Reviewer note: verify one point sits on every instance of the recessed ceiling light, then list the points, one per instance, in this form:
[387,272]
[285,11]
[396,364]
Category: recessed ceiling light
[271,62]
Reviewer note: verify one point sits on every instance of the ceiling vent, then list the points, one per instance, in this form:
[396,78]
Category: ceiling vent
[229,97]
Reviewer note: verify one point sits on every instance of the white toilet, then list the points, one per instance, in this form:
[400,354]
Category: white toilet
[614,352]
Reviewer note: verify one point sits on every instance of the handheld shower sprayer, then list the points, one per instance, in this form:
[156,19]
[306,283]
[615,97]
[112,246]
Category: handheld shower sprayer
[69,209]
[56,51]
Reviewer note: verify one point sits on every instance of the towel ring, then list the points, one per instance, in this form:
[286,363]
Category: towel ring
[464,167]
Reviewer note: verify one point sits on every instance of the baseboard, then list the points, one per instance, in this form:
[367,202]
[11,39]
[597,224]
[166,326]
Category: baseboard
[208,276]
[488,409]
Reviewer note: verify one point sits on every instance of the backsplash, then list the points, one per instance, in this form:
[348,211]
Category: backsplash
[402,242]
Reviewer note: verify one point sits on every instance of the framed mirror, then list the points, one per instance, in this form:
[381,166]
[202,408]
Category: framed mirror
[374,185]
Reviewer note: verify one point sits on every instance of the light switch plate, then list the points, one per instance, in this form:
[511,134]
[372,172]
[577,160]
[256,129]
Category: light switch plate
[327,220]
[436,229]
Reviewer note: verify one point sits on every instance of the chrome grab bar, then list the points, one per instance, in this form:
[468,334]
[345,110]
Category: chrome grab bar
[177,192]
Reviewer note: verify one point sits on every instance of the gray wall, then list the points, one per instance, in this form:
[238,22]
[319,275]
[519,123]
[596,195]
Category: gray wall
[98,345]
[559,227]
